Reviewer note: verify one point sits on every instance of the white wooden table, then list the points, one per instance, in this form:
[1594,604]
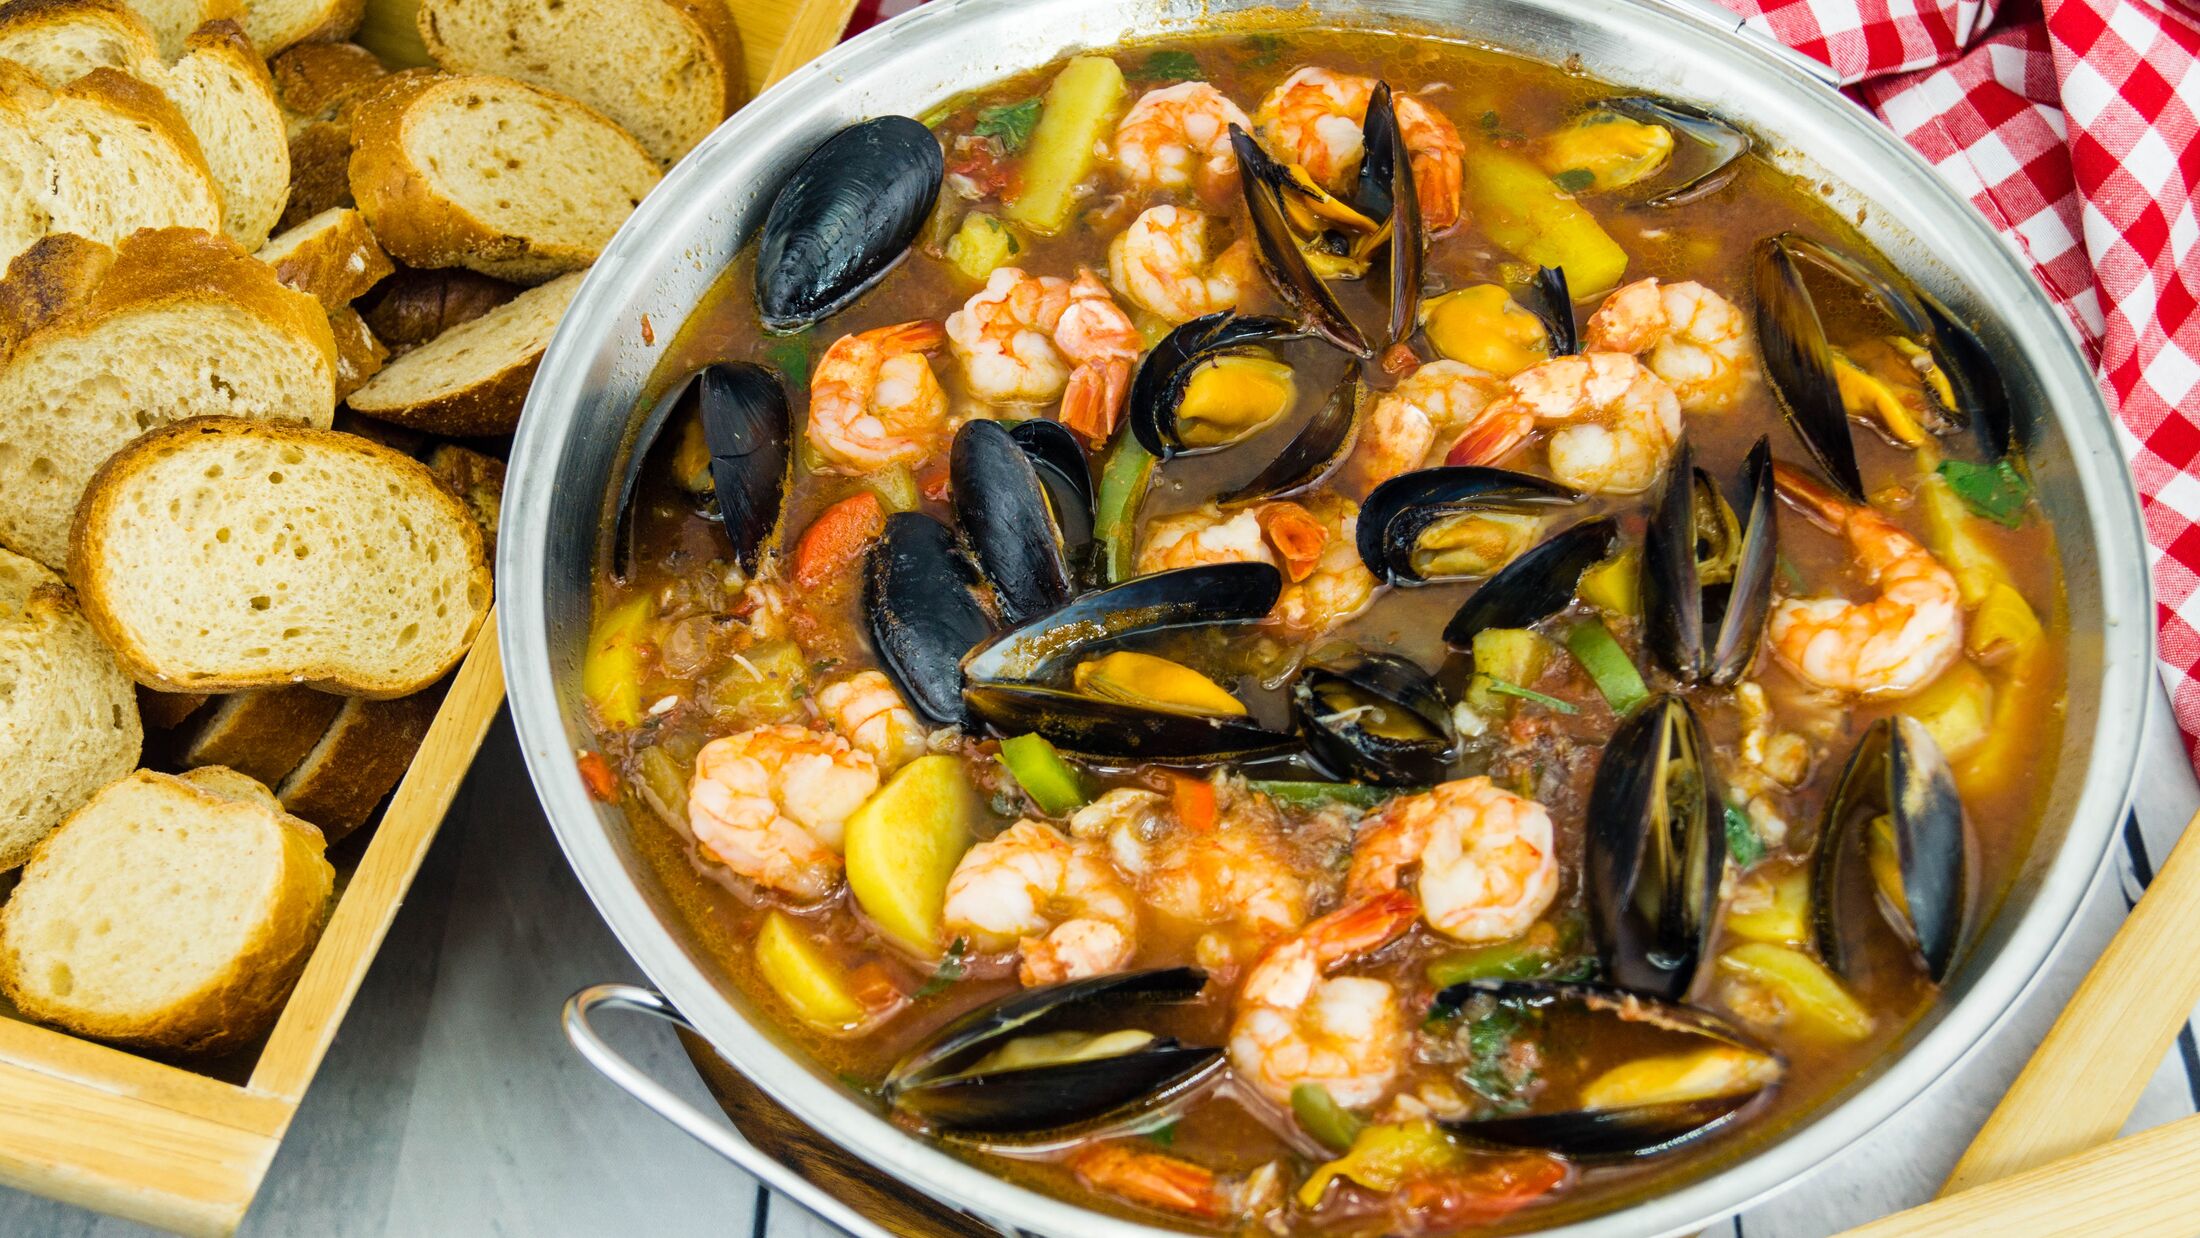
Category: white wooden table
[451,1104]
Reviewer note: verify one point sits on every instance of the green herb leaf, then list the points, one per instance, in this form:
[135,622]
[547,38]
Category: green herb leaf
[1173,65]
[1742,842]
[1009,124]
[1164,1134]
[1491,1071]
[1259,50]
[1296,794]
[1574,180]
[947,973]
[1996,491]
[856,1083]
[1552,703]
[1490,121]
[791,357]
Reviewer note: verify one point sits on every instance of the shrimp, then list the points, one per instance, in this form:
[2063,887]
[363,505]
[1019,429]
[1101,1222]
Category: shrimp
[1429,408]
[1693,338]
[1310,540]
[866,709]
[1058,903]
[1314,119]
[1160,262]
[1616,422]
[1178,136]
[1894,644]
[1159,1180]
[1488,861]
[770,803]
[1026,339]
[874,401]
[1297,1024]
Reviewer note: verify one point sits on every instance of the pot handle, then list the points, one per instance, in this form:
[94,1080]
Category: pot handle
[1712,13]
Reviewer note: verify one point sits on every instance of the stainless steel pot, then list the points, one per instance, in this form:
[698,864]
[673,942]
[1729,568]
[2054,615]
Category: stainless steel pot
[662,262]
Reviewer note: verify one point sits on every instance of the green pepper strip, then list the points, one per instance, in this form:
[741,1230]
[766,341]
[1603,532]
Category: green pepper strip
[1298,794]
[1122,489]
[1331,1124]
[1608,665]
[1511,960]
[1053,783]
[1551,703]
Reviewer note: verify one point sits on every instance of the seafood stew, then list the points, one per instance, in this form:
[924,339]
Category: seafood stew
[1332,633]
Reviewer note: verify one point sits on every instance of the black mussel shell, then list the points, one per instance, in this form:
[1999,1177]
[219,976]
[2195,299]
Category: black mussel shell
[1163,376]
[1186,597]
[1007,518]
[746,426]
[1799,365]
[1701,630]
[1656,849]
[1106,731]
[1349,745]
[1280,257]
[1066,472]
[1707,151]
[1398,511]
[1896,770]
[1973,378]
[845,217]
[1382,150]
[1384,155]
[1313,454]
[1536,585]
[924,617]
[1550,300]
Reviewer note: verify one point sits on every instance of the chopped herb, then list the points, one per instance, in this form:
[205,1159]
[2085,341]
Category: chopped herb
[1792,574]
[1009,124]
[947,973]
[1574,180]
[1178,66]
[1996,491]
[1492,1071]
[1260,49]
[1296,794]
[855,1082]
[1742,842]
[791,357]
[1490,121]
[1552,703]
[1493,128]
[1164,1134]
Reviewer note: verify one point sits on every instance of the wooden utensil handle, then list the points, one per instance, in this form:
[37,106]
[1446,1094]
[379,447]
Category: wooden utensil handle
[2133,1188]
[2081,1084]
[816,27]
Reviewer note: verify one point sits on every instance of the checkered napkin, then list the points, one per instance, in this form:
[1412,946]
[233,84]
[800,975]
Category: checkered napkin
[2071,125]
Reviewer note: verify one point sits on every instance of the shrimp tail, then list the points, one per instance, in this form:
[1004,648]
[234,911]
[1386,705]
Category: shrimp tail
[921,335]
[1296,535]
[1362,927]
[1814,499]
[1094,398]
[1493,436]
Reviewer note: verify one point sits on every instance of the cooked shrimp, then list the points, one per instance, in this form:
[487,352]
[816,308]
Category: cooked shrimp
[770,803]
[866,709]
[1419,416]
[1892,645]
[1177,1185]
[1058,903]
[1026,339]
[1688,335]
[1160,262]
[874,401]
[1487,858]
[1297,1024]
[1310,540]
[1178,136]
[1314,117]
[1616,422]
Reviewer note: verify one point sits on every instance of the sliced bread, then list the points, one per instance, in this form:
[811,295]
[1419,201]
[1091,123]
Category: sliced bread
[666,70]
[262,734]
[232,784]
[315,80]
[221,554]
[332,256]
[359,356]
[366,750]
[68,719]
[96,347]
[62,40]
[165,711]
[472,379]
[412,307]
[476,478]
[320,171]
[172,21]
[491,174]
[277,24]
[166,914]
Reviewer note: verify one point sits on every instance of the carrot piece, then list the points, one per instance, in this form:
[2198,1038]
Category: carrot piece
[1297,536]
[837,538]
[1193,799]
[597,775]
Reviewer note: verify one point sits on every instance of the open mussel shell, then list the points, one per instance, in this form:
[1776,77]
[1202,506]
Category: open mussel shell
[1008,518]
[924,616]
[1165,375]
[1549,299]
[746,428]
[1536,585]
[1400,514]
[845,217]
[1707,570]
[1707,151]
[1186,597]
[1386,173]
[1066,472]
[1619,1131]
[1115,732]
[1656,848]
[1799,365]
[1313,454]
[1896,776]
[1281,260]
[1375,717]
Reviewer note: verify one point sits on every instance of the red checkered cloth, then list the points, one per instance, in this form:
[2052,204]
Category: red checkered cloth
[2071,125]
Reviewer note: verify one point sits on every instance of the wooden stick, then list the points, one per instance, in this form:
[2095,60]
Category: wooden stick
[2133,1188]
[816,27]
[2081,1084]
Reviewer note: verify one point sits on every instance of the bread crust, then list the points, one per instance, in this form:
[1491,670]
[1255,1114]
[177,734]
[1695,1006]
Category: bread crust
[479,410]
[364,754]
[336,20]
[359,356]
[313,81]
[24,20]
[337,261]
[225,41]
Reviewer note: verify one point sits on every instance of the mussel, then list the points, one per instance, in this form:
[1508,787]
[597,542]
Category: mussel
[1375,717]
[1896,806]
[1707,570]
[732,454]
[918,591]
[1319,448]
[1461,522]
[1656,849]
[1386,178]
[1635,1107]
[1104,730]
[1066,471]
[1488,328]
[1645,151]
[1208,384]
[1281,259]
[1143,605]
[1536,585]
[1034,1069]
[1008,518]
[844,218]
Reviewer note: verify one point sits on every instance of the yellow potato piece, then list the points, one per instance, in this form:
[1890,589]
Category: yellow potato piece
[1073,122]
[1521,210]
[804,978]
[611,673]
[903,845]
[1812,996]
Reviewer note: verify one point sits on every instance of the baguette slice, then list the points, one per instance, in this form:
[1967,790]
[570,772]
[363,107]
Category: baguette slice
[231,784]
[359,356]
[412,307]
[320,172]
[666,70]
[68,719]
[220,554]
[167,915]
[332,256]
[277,24]
[315,80]
[62,40]
[364,754]
[172,21]
[492,174]
[98,345]
[263,734]
[476,478]
[165,711]
[472,379]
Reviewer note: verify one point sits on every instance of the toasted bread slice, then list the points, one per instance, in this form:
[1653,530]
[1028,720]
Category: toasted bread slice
[476,478]
[315,80]
[97,345]
[332,256]
[68,719]
[166,914]
[359,356]
[671,71]
[412,307]
[219,554]
[275,25]
[366,750]
[472,379]
[320,172]
[262,734]
[491,174]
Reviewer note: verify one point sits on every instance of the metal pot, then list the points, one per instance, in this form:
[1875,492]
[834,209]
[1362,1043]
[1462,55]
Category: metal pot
[661,263]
